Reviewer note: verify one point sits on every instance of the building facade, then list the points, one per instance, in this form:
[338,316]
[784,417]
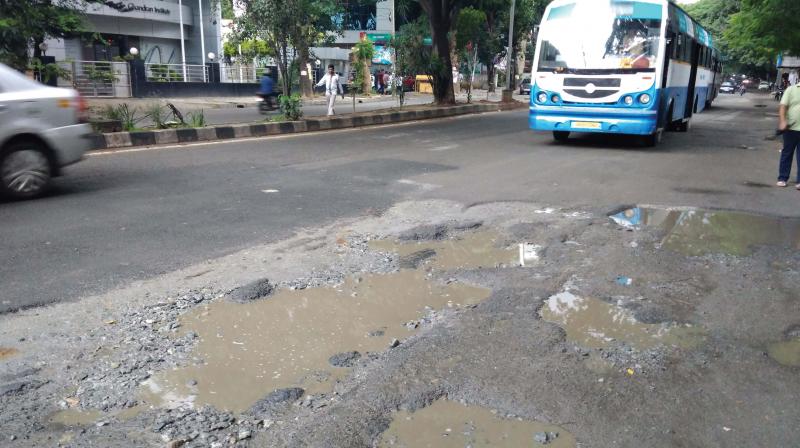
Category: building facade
[163,31]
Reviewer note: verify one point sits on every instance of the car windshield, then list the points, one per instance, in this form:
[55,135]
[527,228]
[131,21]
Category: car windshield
[607,35]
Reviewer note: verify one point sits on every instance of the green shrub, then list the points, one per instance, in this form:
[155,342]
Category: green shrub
[197,119]
[110,112]
[158,114]
[129,116]
[291,106]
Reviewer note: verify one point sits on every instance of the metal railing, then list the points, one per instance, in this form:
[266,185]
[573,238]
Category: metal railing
[241,73]
[97,78]
[176,72]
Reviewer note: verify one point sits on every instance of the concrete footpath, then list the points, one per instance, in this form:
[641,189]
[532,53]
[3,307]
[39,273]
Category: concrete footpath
[231,110]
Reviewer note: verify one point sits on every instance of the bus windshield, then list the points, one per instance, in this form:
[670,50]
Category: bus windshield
[601,35]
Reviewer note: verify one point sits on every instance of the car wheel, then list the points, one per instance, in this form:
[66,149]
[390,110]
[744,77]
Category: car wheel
[561,136]
[24,171]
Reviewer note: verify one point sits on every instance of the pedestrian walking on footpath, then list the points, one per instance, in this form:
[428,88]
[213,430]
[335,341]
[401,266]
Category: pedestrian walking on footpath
[386,82]
[789,125]
[332,88]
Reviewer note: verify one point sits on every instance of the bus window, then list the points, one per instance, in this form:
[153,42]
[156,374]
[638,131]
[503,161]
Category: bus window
[611,37]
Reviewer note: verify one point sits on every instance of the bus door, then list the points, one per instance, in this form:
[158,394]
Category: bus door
[695,58]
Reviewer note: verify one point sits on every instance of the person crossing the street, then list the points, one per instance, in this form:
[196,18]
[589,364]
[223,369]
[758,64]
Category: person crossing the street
[332,87]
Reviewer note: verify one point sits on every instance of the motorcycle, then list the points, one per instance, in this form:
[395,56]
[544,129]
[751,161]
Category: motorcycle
[267,104]
[778,94]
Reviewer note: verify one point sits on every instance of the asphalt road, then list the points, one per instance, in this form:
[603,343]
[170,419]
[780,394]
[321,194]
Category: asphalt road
[131,215]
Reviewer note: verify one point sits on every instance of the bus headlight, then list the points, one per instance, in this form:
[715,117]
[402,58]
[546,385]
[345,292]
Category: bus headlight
[644,98]
[628,100]
[541,97]
[555,98]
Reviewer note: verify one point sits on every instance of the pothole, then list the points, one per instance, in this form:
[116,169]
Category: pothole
[786,353]
[473,250]
[249,350]
[449,424]
[593,323]
[698,232]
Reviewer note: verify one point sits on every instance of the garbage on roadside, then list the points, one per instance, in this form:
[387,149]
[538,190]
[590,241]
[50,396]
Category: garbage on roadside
[528,253]
[624,281]
[629,219]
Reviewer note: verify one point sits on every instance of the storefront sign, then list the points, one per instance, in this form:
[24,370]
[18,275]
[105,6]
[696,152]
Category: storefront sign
[379,37]
[130,7]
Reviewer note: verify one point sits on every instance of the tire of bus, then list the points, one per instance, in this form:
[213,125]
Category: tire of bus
[561,136]
[682,125]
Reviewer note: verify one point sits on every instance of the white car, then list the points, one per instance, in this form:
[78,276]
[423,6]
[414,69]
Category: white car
[727,87]
[763,86]
[42,130]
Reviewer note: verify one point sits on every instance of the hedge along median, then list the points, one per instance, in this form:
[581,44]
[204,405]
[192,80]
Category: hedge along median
[114,140]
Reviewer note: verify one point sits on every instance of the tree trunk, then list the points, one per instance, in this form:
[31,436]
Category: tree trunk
[305,76]
[440,14]
[490,66]
[283,66]
[366,81]
[523,44]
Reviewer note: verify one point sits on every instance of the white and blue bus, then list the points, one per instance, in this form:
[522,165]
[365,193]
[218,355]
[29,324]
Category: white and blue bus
[635,67]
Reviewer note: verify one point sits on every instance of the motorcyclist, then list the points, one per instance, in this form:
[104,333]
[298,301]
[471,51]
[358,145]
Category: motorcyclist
[267,92]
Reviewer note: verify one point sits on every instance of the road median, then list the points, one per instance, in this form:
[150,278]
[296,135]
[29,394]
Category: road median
[117,140]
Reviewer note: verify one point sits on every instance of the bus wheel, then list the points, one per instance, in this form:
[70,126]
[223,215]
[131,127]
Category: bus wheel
[561,136]
[682,125]
[653,139]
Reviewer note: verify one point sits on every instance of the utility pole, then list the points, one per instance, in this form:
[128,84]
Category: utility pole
[508,91]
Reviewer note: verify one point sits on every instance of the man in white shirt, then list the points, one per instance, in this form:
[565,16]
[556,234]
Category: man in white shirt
[332,88]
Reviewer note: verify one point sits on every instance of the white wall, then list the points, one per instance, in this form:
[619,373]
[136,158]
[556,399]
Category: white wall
[160,51]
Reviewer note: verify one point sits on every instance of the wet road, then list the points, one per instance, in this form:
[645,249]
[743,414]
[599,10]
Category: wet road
[133,215]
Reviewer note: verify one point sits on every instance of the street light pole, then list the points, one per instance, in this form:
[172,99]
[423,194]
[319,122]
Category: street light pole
[510,52]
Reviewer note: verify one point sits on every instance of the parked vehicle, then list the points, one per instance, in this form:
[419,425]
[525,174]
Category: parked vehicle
[727,87]
[763,86]
[42,130]
[525,87]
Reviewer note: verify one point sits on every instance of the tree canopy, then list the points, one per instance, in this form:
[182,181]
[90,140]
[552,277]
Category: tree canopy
[27,23]
[762,29]
[750,34]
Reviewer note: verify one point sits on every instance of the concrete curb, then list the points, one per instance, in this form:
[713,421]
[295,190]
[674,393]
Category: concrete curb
[114,140]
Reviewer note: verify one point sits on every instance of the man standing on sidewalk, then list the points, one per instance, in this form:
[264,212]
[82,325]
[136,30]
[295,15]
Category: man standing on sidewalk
[332,88]
[789,124]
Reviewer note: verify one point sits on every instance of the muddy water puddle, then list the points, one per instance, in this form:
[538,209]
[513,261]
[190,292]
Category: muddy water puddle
[786,353]
[252,349]
[85,417]
[698,232]
[593,323]
[472,250]
[75,417]
[7,352]
[449,424]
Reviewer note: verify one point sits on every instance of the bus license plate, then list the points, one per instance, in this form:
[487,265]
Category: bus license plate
[586,125]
